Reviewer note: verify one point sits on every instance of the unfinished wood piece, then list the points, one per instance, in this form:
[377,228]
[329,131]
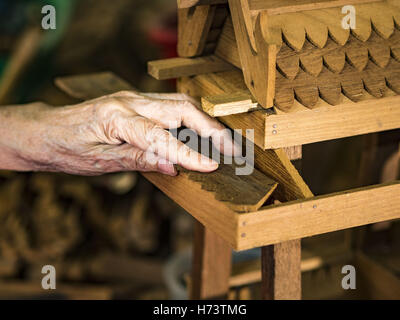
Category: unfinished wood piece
[193,27]
[240,193]
[184,67]
[257,58]
[227,104]
[211,264]
[281,271]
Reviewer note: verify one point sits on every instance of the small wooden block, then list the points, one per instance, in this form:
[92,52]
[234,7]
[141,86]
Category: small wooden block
[185,67]
[226,104]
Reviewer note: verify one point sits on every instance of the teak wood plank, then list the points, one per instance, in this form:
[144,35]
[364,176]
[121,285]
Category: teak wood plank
[240,193]
[184,67]
[281,271]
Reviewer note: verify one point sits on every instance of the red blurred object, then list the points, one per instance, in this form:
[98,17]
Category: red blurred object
[165,36]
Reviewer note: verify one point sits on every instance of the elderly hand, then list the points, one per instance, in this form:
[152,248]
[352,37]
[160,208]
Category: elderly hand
[120,132]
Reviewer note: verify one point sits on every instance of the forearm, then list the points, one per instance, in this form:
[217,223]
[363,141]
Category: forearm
[17,125]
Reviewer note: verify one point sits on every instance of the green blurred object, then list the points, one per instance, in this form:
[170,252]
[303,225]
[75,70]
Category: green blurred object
[39,68]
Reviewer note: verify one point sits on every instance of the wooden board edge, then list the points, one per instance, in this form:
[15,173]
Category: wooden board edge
[308,217]
[332,122]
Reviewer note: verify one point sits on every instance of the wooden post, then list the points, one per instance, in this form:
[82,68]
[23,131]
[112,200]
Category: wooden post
[212,259]
[281,263]
[281,273]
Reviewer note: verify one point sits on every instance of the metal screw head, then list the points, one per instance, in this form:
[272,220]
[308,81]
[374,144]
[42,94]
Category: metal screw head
[274,131]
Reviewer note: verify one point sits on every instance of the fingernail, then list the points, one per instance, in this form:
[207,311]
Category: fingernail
[167,168]
[211,163]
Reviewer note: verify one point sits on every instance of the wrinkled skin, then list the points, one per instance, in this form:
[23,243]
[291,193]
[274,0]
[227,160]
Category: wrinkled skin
[120,132]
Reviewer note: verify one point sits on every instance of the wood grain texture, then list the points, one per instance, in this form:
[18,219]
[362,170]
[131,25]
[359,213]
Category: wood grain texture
[344,120]
[211,264]
[184,67]
[227,104]
[257,58]
[281,271]
[240,193]
[317,215]
[193,27]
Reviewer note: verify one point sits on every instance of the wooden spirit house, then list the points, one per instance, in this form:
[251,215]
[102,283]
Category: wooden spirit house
[291,71]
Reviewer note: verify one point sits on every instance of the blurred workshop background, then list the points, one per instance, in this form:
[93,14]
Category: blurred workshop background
[117,236]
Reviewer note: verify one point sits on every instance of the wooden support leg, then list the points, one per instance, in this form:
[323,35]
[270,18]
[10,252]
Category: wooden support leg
[281,263]
[212,259]
[281,273]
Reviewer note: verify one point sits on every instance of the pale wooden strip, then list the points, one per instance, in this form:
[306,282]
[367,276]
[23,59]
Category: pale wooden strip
[227,104]
[322,214]
[184,67]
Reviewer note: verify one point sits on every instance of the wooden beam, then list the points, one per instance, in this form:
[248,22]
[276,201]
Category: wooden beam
[257,58]
[184,67]
[317,215]
[193,27]
[273,7]
[211,270]
[281,271]
[332,122]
